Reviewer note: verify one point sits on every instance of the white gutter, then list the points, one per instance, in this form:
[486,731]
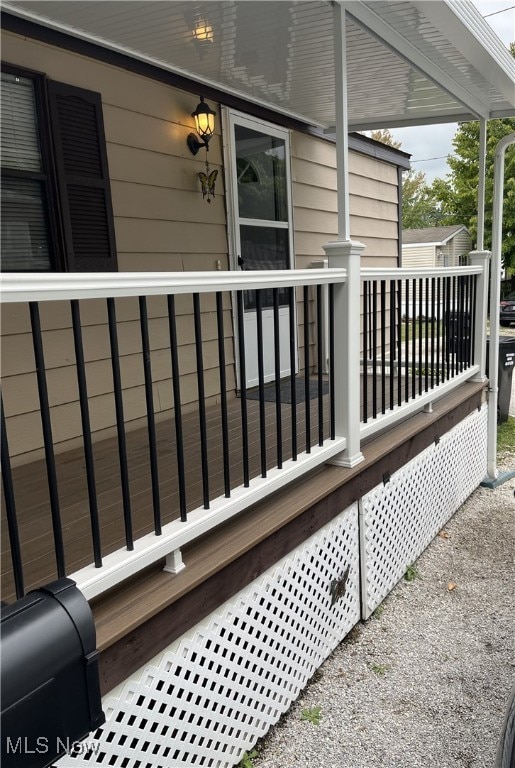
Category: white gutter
[495,298]
[478,41]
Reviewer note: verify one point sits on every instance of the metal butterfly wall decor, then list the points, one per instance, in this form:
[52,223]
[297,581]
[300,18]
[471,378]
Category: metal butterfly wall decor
[207,182]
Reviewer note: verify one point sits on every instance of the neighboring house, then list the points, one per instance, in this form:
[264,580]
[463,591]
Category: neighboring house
[228,522]
[433,247]
[436,246]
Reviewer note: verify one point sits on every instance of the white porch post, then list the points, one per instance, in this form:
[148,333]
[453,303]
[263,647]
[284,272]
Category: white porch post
[342,121]
[480,244]
[345,253]
[347,364]
[481,259]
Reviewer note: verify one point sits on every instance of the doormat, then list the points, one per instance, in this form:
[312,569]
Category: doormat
[285,391]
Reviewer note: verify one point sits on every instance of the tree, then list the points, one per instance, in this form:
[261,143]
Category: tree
[456,195]
[385,137]
[419,209]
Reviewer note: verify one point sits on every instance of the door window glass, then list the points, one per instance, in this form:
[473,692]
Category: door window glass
[261,172]
[264,248]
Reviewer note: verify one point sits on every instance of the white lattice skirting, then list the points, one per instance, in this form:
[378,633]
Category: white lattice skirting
[399,519]
[212,694]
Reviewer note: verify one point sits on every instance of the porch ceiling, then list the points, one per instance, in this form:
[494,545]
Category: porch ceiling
[409,61]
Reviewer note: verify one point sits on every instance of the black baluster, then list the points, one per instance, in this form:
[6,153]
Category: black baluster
[392,342]
[120,423]
[420,334]
[86,432]
[223,392]
[306,367]
[426,345]
[243,391]
[434,318]
[332,414]
[277,365]
[448,325]
[406,343]
[374,349]
[414,343]
[48,442]
[176,383]
[201,399]
[439,329]
[399,342]
[467,321]
[383,346]
[261,381]
[456,328]
[151,421]
[365,351]
[293,388]
[473,330]
[320,366]
[10,507]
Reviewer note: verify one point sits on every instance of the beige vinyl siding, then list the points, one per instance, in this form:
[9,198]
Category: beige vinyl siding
[161,223]
[462,243]
[427,255]
[373,206]
[421,256]
[458,246]
[373,202]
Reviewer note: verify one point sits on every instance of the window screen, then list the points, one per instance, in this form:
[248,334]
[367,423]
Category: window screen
[24,223]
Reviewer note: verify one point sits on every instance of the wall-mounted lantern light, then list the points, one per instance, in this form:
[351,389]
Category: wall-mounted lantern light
[203,31]
[205,127]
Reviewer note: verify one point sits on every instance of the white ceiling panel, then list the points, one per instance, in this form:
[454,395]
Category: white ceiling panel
[409,62]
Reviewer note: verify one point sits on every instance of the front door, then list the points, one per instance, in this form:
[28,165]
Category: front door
[262,230]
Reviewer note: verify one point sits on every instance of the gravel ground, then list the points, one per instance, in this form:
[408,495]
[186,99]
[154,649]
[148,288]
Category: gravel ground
[425,681]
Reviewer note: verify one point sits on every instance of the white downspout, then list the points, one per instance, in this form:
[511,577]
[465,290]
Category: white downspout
[495,297]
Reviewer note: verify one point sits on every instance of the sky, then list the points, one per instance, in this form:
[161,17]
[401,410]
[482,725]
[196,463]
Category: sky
[435,141]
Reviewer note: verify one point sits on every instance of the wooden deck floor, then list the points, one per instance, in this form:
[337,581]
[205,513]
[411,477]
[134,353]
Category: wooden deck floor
[32,498]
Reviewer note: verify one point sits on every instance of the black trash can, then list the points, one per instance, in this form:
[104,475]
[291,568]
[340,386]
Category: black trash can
[505,372]
[458,330]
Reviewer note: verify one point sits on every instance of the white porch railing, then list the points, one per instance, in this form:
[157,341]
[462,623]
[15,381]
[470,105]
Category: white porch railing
[407,362]
[293,435]
[424,332]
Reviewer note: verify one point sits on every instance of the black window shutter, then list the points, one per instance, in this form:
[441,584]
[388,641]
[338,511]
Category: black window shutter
[83,178]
